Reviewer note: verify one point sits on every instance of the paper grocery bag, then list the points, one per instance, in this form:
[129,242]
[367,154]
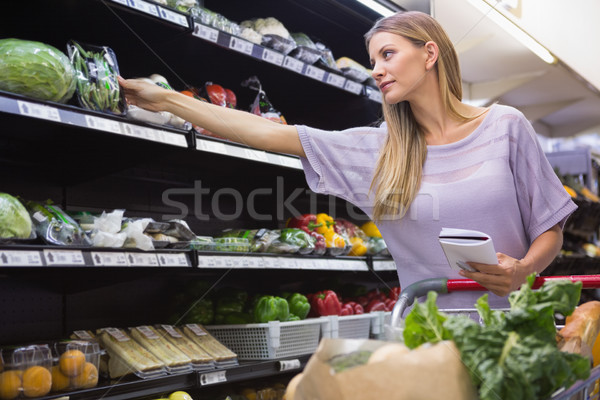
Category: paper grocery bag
[426,373]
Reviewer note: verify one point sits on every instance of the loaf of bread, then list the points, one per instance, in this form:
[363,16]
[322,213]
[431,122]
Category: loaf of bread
[581,329]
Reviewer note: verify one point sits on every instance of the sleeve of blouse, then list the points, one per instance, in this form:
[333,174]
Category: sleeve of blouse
[340,163]
[542,199]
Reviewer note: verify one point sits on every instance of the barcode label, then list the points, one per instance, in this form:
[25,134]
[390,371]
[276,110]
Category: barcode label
[142,6]
[212,378]
[336,80]
[147,332]
[353,87]
[206,33]
[109,259]
[173,17]
[38,111]
[83,335]
[241,45]
[293,64]
[196,329]
[18,258]
[272,57]
[117,334]
[173,260]
[63,257]
[315,73]
[171,331]
[102,124]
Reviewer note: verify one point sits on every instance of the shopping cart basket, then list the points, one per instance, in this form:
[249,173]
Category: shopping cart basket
[581,390]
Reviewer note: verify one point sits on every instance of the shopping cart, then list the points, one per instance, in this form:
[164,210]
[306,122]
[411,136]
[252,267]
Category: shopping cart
[581,390]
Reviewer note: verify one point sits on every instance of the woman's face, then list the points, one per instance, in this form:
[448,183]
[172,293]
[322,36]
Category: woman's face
[398,66]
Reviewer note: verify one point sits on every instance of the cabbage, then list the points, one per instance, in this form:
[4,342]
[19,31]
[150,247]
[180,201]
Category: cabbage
[14,218]
[35,69]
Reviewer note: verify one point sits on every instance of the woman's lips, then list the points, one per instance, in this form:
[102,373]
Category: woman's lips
[385,85]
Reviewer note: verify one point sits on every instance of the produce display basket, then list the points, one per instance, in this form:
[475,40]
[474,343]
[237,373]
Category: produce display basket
[348,326]
[269,340]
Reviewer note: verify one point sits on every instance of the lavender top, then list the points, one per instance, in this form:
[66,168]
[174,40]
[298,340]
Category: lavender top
[497,180]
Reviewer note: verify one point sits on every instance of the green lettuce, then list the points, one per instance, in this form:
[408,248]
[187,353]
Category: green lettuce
[510,355]
[14,218]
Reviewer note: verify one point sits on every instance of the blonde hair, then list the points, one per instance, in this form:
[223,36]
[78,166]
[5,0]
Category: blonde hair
[397,177]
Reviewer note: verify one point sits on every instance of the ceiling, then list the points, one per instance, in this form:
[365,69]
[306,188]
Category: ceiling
[497,68]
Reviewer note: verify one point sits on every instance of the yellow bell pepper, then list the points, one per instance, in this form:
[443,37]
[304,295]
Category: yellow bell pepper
[333,239]
[326,222]
[358,247]
[370,229]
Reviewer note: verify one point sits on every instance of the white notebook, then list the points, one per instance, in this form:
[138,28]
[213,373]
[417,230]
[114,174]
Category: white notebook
[462,245]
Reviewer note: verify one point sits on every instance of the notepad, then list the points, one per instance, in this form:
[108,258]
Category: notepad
[462,245]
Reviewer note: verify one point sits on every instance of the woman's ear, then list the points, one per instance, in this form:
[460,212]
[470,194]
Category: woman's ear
[433,51]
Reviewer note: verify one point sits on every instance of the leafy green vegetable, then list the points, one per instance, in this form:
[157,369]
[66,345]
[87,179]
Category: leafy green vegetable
[15,221]
[35,69]
[511,355]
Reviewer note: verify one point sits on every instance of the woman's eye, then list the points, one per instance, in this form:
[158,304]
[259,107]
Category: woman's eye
[387,54]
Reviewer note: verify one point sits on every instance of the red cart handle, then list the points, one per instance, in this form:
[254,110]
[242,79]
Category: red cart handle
[468,285]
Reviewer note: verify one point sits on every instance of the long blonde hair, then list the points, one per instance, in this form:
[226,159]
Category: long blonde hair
[398,172]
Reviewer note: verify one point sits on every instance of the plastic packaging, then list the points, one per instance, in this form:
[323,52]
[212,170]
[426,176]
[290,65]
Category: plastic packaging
[238,245]
[96,71]
[352,70]
[76,365]
[261,105]
[26,371]
[199,335]
[278,43]
[55,226]
[305,50]
[267,26]
[174,359]
[200,359]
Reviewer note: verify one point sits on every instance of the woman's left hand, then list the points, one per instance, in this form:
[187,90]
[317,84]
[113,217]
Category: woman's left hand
[499,279]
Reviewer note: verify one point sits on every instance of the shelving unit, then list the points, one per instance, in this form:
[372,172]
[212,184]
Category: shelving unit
[85,160]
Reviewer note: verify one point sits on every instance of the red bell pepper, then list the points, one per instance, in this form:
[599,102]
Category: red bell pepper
[375,305]
[307,222]
[389,304]
[356,308]
[326,302]
[394,293]
[347,309]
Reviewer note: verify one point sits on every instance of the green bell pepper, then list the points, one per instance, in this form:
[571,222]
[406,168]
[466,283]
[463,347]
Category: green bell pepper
[298,304]
[271,308]
[293,317]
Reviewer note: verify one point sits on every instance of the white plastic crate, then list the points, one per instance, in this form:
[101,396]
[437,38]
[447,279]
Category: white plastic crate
[269,340]
[347,326]
[380,319]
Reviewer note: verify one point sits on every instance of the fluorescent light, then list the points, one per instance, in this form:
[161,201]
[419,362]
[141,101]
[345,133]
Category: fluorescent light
[514,30]
[377,7]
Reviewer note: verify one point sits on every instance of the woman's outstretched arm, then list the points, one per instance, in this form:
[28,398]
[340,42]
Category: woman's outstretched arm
[235,125]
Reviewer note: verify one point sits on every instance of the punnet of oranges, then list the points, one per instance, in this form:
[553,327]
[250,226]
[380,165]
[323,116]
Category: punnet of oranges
[71,362]
[77,366]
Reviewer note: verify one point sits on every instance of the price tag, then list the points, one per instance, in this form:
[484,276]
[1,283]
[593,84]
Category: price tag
[103,124]
[384,266]
[117,334]
[287,365]
[314,72]
[206,262]
[268,262]
[353,87]
[20,258]
[206,33]
[336,80]
[84,335]
[210,146]
[171,331]
[63,257]
[322,263]
[196,329]
[173,139]
[38,111]
[142,260]
[147,332]
[305,263]
[109,259]
[293,64]
[255,155]
[272,57]
[124,2]
[212,378]
[142,6]
[375,95]
[173,17]
[231,262]
[250,262]
[173,260]
[241,45]
[290,162]
[358,265]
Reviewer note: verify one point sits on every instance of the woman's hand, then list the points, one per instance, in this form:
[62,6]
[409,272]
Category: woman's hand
[499,279]
[144,94]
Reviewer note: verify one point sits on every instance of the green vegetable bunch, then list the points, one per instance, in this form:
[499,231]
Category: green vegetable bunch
[511,355]
[96,76]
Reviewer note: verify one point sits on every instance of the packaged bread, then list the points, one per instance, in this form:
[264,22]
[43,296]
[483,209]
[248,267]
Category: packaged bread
[206,341]
[126,356]
[173,358]
[200,358]
[581,329]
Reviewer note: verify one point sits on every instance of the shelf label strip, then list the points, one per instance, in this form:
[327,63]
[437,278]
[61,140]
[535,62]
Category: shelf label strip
[144,7]
[353,87]
[293,64]
[241,45]
[63,257]
[109,259]
[315,73]
[206,33]
[335,80]
[103,124]
[13,258]
[272,57]
[173,260]
[142,259]
[38,111]
[173,17]
[211,378]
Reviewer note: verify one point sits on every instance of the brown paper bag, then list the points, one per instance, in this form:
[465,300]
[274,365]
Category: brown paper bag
[426,373]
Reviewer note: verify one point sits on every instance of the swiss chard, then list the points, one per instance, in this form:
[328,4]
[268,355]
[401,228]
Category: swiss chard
[511,355]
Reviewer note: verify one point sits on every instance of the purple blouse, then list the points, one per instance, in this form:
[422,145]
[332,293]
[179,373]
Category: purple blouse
[497,180]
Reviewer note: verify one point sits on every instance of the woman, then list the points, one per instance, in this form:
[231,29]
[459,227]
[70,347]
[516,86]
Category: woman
[436,162]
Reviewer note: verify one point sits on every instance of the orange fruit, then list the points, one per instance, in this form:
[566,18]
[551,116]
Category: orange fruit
[88,377]
[10,384]
[59,380]
[71,362]
[37,381]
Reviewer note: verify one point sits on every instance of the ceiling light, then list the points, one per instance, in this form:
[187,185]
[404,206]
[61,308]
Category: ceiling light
[377,7]
[514,30]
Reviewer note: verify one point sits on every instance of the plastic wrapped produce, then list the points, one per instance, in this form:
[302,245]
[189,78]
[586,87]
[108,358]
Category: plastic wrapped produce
[352,70]
[261,105]
[305,50]
[55,226]
[201,360]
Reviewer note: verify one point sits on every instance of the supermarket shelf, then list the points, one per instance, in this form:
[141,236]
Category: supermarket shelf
[146,387]
[254,261]
[73,116]
[164,14]
[384,265]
